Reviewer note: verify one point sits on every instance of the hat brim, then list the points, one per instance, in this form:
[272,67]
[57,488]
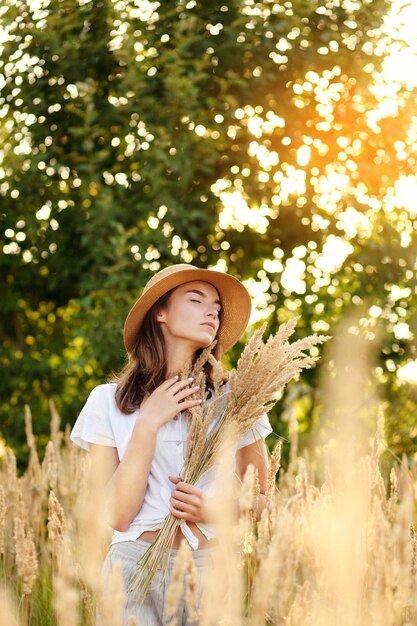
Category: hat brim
[235,299]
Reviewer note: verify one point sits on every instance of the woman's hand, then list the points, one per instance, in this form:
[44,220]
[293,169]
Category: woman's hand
[187,501]
[167,400]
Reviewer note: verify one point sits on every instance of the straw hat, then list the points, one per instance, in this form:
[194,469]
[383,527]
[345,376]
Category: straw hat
[235,299]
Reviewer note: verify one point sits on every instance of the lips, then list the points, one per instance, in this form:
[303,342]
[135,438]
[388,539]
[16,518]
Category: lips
[209,324]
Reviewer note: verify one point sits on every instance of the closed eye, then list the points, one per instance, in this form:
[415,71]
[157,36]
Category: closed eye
[193,300]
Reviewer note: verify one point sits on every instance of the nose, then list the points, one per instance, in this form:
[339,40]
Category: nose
[214,313]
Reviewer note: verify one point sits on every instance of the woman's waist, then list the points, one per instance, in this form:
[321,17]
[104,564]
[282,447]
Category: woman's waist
[150,535]
[147,529]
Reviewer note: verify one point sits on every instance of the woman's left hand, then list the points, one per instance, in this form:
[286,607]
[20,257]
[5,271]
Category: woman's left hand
[187,501]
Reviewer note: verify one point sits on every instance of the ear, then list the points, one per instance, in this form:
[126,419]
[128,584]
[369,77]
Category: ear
[160,315]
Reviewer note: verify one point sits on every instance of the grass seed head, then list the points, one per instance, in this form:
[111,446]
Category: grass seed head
[176,586]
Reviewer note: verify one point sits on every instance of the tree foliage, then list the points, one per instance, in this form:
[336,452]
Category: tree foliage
[136,134]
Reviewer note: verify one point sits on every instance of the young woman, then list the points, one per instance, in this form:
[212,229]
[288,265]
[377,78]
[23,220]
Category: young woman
[136,430]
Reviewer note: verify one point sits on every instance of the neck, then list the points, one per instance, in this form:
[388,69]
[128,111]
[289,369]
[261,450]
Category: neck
[178,354]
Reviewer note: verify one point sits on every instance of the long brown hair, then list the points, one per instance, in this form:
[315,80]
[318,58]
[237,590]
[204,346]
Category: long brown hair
[146,367]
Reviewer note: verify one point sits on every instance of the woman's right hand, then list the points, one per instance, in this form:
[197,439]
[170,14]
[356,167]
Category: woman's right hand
[167,400]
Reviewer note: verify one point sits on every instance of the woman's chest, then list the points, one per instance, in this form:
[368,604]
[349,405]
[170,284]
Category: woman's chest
[170,446]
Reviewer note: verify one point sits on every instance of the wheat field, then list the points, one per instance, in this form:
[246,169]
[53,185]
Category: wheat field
[344,553]
[336,544]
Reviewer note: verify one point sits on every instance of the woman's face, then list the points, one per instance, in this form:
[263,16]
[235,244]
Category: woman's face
[192,314]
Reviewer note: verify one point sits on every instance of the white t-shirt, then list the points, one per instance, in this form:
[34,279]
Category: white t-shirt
[101,422]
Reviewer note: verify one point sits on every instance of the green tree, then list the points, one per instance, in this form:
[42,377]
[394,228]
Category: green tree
[134,135]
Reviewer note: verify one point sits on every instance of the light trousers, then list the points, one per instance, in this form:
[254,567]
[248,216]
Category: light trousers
[151,611]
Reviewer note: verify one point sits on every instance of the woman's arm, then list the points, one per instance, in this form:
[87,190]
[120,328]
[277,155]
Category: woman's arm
[125,481]
[255,454]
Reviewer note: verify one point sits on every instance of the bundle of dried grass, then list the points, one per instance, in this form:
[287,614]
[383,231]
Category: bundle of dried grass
[253,387]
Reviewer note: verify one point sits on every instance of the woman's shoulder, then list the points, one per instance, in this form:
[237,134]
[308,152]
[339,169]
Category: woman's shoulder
[103,392]
[226,384]
[97,419]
